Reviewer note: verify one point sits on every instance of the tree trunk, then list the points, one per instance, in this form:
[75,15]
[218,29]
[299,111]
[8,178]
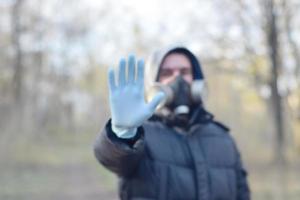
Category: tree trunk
[18,76]
[276,98]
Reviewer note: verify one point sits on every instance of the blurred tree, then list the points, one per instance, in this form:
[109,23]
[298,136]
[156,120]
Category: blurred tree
[18,77]
[267,33]
[272,36]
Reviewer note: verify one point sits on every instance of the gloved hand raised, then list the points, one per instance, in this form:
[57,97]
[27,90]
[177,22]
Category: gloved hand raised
[127,102]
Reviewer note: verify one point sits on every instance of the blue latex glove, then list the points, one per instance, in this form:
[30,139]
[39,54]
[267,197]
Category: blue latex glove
[127,102]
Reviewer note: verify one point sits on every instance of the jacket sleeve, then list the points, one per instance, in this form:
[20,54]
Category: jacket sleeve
[120,156]
[243,191]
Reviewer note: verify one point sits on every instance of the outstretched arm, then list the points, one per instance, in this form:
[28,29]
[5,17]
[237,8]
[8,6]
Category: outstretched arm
[119,155]
[120,145]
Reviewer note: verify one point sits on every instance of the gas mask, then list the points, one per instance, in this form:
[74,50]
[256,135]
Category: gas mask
[180,96]
[181,100]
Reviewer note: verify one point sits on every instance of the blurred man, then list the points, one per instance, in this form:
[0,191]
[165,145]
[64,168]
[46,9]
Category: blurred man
[175,152]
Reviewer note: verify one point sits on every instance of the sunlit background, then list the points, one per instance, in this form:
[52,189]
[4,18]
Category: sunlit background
[54,56]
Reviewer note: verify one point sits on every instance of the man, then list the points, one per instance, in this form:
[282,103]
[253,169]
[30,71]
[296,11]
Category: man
[178,153]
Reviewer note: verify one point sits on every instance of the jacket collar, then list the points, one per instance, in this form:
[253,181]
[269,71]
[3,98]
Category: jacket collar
[198,116]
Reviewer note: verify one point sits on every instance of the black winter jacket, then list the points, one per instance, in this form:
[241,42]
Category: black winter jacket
[162,164]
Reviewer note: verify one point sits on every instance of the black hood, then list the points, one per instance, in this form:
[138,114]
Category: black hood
[196,66]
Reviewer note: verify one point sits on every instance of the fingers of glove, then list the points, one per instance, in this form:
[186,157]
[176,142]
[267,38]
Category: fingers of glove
[111,80]
[122,72]
[156,100]
[131,69]
[140,73]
